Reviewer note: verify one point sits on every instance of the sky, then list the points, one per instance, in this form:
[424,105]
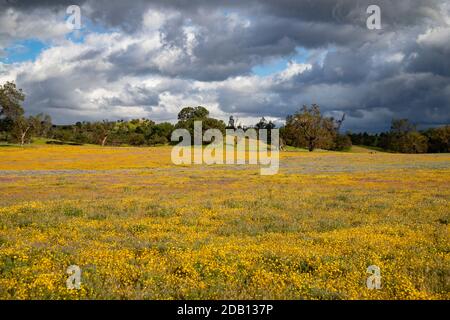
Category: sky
[249,59]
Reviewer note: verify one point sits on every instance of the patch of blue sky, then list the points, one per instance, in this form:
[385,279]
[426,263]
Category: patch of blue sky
[29,49]
[270,67]
[279,64]
[23,50]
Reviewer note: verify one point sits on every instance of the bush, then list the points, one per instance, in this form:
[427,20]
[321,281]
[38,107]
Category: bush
[137,139]
[342,142]
[438,139]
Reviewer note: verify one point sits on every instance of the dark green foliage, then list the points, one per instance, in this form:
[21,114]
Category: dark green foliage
[405,138]
[342,142]
[190,113]
[438,139]
[14,126]
[187,116]
[136,132]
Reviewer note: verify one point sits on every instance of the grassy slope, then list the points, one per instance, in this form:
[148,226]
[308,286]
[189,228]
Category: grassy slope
[365,149]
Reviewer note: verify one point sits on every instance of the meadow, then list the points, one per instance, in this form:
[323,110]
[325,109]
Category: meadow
[140,227]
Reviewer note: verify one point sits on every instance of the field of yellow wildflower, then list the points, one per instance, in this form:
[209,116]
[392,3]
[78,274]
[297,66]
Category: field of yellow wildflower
[142,228]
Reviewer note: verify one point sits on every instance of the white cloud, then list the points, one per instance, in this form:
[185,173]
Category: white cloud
[38,24]
[157,58]
[294,69]
[438,38]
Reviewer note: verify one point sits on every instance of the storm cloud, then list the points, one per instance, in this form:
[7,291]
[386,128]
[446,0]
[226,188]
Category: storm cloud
[150,58]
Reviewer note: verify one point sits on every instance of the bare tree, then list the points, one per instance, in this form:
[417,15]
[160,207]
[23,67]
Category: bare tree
[22,128]
[339,123]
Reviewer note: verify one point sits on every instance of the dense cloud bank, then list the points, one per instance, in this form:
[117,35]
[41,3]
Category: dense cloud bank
[150,58]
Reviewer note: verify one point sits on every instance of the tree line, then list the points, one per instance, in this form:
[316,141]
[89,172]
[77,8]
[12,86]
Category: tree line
[307,128]
[403,137]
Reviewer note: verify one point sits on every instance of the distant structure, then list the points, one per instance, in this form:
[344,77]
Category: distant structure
[231,123]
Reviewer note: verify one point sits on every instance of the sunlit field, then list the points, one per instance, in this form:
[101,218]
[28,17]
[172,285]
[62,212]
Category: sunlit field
[140,227]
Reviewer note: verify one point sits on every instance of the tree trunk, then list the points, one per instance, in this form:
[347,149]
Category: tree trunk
[311,145]
[104,141]
[23,135]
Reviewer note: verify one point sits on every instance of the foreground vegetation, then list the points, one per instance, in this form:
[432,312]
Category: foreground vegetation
[140,227]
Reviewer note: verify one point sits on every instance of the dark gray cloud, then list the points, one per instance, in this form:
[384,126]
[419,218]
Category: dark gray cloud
[151,57]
